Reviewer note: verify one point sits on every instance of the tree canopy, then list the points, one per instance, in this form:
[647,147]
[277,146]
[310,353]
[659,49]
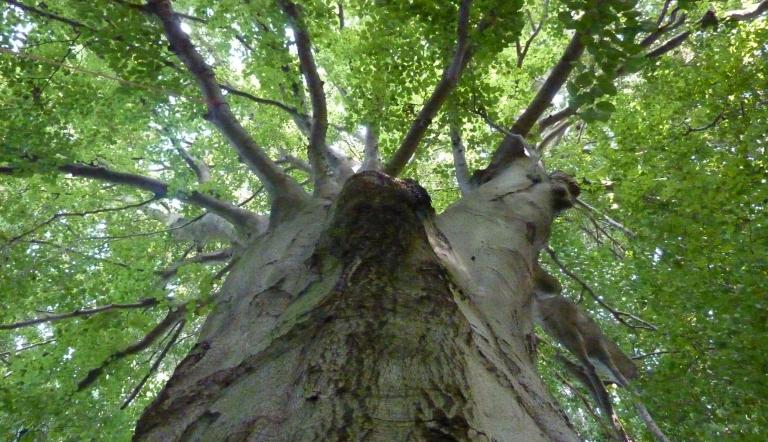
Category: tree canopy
[108,152]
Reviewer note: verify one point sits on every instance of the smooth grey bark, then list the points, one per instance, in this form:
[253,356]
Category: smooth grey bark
[375,319]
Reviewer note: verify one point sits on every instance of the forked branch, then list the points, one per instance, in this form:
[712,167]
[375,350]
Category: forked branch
[174,316]
[277,183]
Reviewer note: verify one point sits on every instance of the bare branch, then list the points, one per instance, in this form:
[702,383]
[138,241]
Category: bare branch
[673,22]
[513,146]
[459,159]
[489,121]
[443,90]
[669,45]
[5,354]
[549,89]
[201,170]
[663,13]
[607,431]
[556,117]
[650,423]
[294,162]
[142,344]
[688,129]
[612,222]
[144,303]
[83,254]
[277,183]
[622,317]
[155,365]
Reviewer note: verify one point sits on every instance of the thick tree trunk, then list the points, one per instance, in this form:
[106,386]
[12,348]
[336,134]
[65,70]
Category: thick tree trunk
[374,319]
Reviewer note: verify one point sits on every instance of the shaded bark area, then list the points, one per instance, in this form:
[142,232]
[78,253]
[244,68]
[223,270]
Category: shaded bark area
[361,322]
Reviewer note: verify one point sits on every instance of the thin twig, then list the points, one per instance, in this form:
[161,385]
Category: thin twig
[523,51]
[612,222]
[144,303]
[155,365]
[620,316]
[84,213]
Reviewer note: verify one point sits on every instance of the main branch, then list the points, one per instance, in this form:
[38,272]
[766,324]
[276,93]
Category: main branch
[511,146]
[443,90]
[278,184]
[318,151]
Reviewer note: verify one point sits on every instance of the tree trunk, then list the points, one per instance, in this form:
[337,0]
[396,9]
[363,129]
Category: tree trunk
[373,319]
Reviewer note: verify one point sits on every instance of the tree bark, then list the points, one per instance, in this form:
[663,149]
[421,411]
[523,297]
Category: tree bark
[376,319]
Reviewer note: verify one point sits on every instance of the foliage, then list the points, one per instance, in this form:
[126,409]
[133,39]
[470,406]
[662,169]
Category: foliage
[674,149]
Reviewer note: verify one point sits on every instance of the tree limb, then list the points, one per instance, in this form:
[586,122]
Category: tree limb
[155,365]
[649,422]
[513,145]
[553,136]
[551,86]
[301,119]
[449,80]
[748,13]
[459,159]
[239,217]
[142,344]
[318,151]
[201,170]
[612,222]
[144,303]
[556,117]
[674,42]
[277,183]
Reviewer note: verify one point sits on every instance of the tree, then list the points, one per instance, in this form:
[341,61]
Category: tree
[203,222]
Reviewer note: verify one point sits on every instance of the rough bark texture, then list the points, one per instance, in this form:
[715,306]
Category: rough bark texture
[375,319]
